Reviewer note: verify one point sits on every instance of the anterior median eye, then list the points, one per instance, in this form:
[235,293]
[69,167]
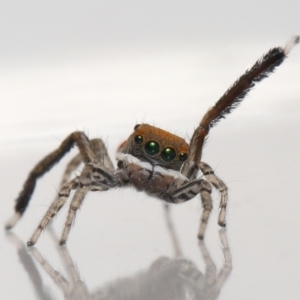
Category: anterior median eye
[182,156]
[138,139]
[151,148]
[168,154]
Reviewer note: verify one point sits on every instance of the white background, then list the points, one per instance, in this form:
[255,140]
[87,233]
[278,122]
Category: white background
[104,66]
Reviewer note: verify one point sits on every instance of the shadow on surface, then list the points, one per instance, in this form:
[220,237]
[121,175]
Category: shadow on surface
[167,278]
[175,278]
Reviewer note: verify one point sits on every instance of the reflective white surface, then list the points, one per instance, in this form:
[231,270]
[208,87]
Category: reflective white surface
[102,69]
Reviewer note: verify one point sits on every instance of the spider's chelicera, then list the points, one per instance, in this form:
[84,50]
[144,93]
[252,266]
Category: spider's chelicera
[151,160]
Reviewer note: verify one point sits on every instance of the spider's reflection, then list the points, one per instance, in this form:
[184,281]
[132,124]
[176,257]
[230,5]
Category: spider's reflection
[166,279]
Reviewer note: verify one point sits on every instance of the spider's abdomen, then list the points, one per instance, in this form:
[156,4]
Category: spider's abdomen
[157,146]
[153,180]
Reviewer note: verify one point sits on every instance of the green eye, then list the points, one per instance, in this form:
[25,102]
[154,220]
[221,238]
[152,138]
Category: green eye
[182,156]
[138,139]
[168,154]
[151,148]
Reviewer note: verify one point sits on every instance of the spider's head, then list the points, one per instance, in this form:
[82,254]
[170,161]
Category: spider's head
[157,146]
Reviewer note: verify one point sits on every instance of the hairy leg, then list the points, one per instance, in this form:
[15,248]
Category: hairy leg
[188,191]
[210,176]
[92,178]
[87,155]
[205,194]
[231,99]
[74,206]
[101,155]
[174,238]
[227,267]
[63,196]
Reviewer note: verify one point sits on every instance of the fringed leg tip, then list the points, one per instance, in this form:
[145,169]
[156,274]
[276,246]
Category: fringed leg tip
[289,46]
[13,220]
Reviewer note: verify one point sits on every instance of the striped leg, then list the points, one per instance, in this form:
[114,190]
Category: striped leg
[188,191]
[205,194]
[101,155]
[220,186]
[63,196]
[93,178]
[227,267]
[76,138]
[74,206]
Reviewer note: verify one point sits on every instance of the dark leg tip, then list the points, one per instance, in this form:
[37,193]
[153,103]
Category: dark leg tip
[30,243]
[201,237]
[61,243]
[222,224]
[8,227]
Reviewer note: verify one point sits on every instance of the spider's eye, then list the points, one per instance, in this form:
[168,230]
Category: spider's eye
[138,139]
[151,148]
[182,156]
[168,154]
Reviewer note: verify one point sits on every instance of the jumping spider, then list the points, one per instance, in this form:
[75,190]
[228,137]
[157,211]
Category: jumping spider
[152,160]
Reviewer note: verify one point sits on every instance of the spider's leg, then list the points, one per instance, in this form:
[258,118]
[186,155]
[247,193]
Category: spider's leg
[74,206]
[215,281]
[188,191]
[210,176]
[232,98]
[205,194]
[101,155]
[175,242]
[210,274]
[70,169]
[78,138]
[93,178]
[227,267]
[63,196]
[73,271]
[56,276]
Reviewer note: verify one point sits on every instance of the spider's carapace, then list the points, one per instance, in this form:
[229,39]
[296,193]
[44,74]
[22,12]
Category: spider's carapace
[157,146]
